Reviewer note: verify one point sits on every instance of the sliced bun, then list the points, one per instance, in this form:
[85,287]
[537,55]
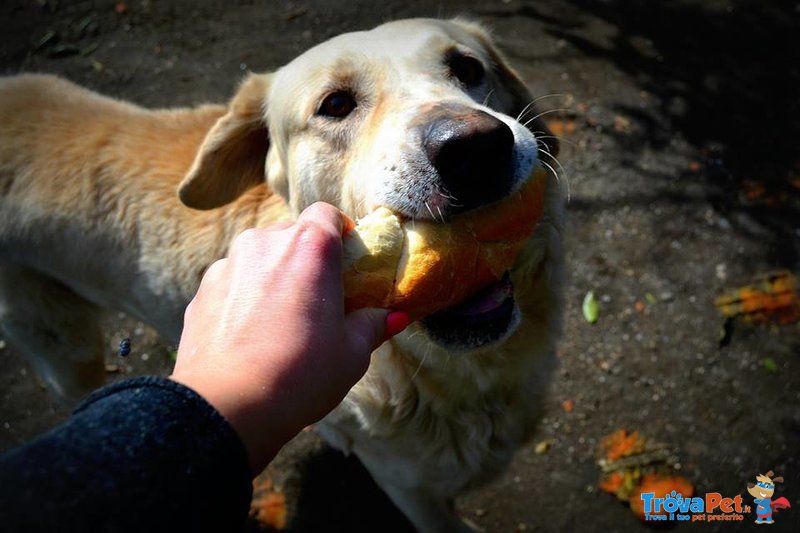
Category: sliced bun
[422,267]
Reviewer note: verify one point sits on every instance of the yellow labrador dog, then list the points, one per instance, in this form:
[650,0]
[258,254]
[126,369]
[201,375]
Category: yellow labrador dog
[104,204]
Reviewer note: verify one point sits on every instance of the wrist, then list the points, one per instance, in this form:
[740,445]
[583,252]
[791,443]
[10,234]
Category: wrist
[260,431]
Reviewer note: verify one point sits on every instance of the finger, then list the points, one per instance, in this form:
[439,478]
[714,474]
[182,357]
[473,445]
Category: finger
[215,272]
[327,216]
[365,330]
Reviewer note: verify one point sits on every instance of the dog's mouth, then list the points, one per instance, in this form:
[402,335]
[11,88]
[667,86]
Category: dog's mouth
[486,318]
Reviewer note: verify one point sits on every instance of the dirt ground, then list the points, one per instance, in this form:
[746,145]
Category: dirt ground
[680,125]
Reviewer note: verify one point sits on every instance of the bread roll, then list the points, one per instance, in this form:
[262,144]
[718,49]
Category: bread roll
[422,267]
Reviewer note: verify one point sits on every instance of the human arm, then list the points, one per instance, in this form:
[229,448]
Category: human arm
[265,342]
[145,454]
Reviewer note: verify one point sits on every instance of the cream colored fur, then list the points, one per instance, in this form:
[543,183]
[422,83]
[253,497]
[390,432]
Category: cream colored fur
[90,218]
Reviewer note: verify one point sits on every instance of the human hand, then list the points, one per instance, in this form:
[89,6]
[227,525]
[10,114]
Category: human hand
[266,340]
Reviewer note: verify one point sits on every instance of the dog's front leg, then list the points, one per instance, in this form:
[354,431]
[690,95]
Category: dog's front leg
[427,511]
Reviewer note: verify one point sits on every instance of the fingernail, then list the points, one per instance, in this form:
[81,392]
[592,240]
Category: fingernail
[396,321]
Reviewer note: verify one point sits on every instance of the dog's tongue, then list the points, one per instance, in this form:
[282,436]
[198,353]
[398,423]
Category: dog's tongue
[488,299]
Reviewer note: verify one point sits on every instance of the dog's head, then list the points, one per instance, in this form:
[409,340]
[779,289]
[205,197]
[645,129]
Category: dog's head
[421,116]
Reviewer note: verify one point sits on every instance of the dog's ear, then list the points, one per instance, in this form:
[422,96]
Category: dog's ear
[513,94]
[231,158]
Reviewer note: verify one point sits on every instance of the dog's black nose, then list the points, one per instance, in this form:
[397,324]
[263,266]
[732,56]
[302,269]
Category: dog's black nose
[472,152]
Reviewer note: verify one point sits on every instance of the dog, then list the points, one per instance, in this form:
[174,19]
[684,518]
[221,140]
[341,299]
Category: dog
[106,205]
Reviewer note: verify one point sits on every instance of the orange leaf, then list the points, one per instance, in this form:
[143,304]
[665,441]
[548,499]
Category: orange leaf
[612,483]
[561,127]
[268,506]
[567,406]
[621,444]
[770,296]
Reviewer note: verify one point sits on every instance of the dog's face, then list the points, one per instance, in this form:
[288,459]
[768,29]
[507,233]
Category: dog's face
[763,488]
[417,115]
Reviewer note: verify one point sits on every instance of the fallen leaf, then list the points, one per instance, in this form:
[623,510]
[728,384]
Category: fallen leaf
[46,39]
[88,50]
[591,308]
[561,127]
[770,364]
[632,465]
[567,406]
[621,483]
[63,50]
[268,506]
[121,7]
[770,297]
[621,443]
[295,13]
[543,447]
[612,483]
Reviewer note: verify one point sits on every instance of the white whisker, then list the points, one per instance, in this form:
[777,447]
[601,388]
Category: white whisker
[558,138]
[543,113]
[532,102]
[422,362]
[556,161]
[430,211]
[569,193]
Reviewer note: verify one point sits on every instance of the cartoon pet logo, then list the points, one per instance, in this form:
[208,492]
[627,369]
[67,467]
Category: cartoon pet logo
[762,492]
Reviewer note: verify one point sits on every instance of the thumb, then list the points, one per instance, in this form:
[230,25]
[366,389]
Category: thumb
[365,330]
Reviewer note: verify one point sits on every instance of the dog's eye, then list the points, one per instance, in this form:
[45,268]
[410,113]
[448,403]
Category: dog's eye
[466,69]
[338,105]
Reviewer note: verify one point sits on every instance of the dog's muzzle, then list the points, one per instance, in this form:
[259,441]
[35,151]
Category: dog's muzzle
[472,153]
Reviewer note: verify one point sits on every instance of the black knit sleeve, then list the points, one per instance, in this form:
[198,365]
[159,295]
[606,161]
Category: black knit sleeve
[146,454]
